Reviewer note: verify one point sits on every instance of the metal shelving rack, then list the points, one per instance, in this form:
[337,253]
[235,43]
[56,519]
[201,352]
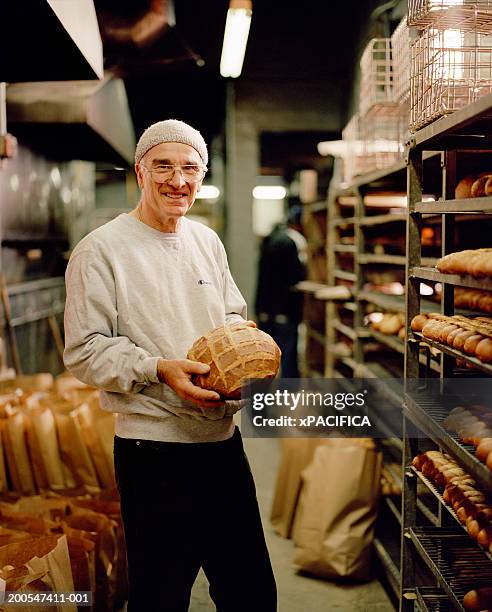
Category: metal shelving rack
[457,562]
[314,222]
[351,222]
[433,149]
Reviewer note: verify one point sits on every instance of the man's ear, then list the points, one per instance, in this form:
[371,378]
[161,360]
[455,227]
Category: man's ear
[139,174]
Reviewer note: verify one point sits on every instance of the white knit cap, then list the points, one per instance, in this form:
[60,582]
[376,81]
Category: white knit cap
[171,130]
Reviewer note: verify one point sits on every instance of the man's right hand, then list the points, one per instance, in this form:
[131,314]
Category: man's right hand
[177,373]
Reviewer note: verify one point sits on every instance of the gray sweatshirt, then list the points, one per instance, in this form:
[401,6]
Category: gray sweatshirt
[134,295]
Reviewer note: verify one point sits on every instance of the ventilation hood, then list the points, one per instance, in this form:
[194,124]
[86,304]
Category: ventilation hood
[87,120]
[47,40]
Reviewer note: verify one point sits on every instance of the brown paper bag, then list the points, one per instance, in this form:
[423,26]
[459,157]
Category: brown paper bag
[19,466]
[90,429]
[334,527]
[44,428]
[38,468]
[24,521]
[297,454]
[81,547]
[46,556]
[3,471]
[30,382]
[22,580]
[51,508]
[74,452]
[7,536]
[105,536]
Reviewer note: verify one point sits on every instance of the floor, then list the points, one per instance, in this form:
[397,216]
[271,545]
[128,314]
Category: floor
[296,593]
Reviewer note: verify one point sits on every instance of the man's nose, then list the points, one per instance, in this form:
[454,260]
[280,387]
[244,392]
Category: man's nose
[177,179]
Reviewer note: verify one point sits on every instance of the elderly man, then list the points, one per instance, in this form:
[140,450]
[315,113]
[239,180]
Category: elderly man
[140,290]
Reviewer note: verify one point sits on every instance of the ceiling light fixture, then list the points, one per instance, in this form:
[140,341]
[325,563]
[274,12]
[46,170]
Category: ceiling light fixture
[235,37]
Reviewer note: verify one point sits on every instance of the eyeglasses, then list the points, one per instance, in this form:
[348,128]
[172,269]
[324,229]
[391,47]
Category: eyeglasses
[164,173]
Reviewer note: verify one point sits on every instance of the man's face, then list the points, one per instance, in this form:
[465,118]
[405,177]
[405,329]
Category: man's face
[176,196]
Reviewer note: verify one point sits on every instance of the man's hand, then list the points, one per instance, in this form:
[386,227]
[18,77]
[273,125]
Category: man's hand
[250,323]
[176,373]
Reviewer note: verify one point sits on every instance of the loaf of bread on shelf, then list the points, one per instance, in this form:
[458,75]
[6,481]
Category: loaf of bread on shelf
[474,299]
[483,449]
[418,322]
[473,507]
[483,350]
[480,265]
[471,343]
[479,600]
[463,188]
[478,187]
[477,262]
[391,323]
[432,329]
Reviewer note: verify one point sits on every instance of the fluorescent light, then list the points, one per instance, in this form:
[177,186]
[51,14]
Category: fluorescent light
[269,192]
[235,38]
[208,192]
[343,148]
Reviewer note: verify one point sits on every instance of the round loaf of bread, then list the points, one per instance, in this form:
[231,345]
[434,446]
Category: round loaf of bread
[483,449]
[390,324]
[478,187]
[484,350]
[461,337]
[235,354]
[445,331]
[418,322]
[485,536]
[463,188]
[471,343]
[479,600]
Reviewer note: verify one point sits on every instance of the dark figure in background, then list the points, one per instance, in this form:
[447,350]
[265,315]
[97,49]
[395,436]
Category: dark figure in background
[278,308]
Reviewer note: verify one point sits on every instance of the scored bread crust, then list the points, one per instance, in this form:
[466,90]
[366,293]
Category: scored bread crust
[235,353]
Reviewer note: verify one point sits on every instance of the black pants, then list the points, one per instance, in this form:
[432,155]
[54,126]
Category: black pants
[187,506]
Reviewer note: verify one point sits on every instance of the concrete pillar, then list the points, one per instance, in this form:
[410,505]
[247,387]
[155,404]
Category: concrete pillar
[242,166]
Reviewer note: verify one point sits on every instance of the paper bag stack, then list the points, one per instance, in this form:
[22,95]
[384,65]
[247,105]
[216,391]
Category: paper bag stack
[92,529]
[327,497]
[54,436]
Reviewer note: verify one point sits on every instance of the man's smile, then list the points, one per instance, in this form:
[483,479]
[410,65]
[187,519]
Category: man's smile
[174,195]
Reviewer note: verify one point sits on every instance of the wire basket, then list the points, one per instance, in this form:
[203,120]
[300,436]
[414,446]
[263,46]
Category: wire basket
[376,75]
[474,15]
[382,134]
[449,70]
[353,163]
[400,51]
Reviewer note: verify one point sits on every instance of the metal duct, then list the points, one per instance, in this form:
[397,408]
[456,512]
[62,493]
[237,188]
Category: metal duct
[134,24]
[87,120]
[50,40]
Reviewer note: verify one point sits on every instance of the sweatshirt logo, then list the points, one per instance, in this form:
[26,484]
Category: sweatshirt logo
[204,282]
